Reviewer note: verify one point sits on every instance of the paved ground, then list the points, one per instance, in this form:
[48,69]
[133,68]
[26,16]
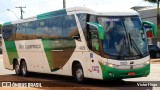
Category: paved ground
[2,70]
[154,74]
[67,83]
[155,61]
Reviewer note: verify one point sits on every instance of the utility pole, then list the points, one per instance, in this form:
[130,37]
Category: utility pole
[21,9]
[64,4]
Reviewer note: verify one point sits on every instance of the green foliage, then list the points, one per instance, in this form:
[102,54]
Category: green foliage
[0,28]
[151,1]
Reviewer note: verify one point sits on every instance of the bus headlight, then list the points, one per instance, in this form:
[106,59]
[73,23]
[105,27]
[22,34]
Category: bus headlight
[147,62]
[110,65]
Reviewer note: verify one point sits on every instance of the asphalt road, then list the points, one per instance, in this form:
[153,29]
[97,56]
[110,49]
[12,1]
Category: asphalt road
[63,82]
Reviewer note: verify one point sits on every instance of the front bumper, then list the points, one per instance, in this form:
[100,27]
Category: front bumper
[110,73]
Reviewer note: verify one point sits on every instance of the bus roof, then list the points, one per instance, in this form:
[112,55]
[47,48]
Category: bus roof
[106,12]
[69,11]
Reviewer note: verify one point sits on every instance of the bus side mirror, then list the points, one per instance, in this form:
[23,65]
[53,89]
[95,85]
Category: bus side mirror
[101,32]
[150,28]
[76,37]
[99,28]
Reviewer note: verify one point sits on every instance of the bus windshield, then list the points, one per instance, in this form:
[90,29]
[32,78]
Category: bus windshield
[124,37]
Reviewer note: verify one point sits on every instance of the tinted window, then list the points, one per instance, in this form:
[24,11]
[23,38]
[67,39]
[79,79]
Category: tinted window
[50,28]
[21,28]
[82,19]
[92,18]
[20,31]
[69,26]
[31,27]
[55,27]
[94,40]
[8,32]
[153,47]
[42,29]
[30,30]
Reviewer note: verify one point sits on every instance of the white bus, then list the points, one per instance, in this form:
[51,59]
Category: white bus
[78,42]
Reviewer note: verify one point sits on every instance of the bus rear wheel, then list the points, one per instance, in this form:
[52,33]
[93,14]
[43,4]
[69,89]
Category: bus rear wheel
[23,68]
[17,68]
[78,73]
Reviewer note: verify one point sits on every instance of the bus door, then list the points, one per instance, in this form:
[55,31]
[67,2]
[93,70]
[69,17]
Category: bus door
[93,56]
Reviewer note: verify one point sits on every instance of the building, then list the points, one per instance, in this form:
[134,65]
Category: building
[148,13]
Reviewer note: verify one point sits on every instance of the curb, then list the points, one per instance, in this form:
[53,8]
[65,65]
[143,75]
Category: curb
[155,60]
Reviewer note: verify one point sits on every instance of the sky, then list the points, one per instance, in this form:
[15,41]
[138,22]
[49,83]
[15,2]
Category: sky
[35,7]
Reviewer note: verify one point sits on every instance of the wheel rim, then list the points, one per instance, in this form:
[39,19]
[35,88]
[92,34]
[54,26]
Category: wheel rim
[79,74]
[17,68]
[24,69]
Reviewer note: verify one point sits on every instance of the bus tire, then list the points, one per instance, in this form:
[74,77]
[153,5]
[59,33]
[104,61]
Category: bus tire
[23,68]
[78,73]
[17,68]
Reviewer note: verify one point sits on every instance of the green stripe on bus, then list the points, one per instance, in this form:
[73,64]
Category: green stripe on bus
[7,23]
[47,48]
[99,28]
[11,50]
[52,14]
[155,30]
[110,73]
[58,52]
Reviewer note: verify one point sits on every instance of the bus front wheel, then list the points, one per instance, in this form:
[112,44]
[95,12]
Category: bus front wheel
[17,68]
[23,68]
[78,73]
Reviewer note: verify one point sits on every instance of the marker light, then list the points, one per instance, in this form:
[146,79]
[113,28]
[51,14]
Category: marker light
[147,62]
[110,65]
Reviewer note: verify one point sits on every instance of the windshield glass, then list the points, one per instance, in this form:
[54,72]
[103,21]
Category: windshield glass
[124,36]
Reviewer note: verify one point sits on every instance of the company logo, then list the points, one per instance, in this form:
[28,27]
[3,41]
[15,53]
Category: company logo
[6,84]
[21,84]
[123,63]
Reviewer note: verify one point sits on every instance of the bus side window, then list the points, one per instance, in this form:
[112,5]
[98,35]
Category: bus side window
[30,30]
[20,32]
[70,30]
[8,32]
[94,39]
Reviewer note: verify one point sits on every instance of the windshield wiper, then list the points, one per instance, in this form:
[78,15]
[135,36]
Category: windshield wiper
[123,46]
[120,52]
[134,45]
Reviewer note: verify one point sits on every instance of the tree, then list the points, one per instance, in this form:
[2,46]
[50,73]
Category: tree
[151,1]
[158,16]
[0,27]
